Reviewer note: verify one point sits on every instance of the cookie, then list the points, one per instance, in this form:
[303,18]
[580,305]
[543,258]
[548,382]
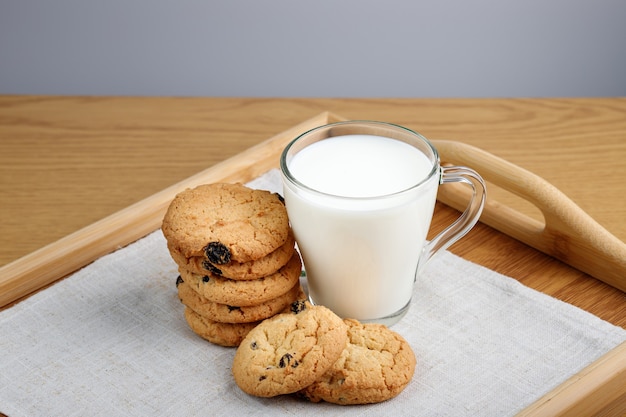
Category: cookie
[376,365]
[225,222]
[246,293]
[238,270]
[289,351]
[223,334]
[234,314]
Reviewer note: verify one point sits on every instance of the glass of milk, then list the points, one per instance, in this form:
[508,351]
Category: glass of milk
[360,197]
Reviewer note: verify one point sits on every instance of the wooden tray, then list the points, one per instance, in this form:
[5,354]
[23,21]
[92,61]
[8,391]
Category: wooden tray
[568,234]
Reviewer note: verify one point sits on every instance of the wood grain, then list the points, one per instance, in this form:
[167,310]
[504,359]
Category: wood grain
[69,161]
[66,162]
[565,231]
[598,390]
[40,268]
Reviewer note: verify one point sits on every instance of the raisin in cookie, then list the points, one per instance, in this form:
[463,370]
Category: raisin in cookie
[238,270]
[235,314]
[223,334]
[289,351]
[226,222]
[376,365]
[245,293]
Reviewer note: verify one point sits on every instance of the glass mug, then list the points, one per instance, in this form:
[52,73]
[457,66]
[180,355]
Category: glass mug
[360,197]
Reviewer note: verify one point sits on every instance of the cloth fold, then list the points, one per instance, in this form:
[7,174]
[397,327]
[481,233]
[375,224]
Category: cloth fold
[111,339]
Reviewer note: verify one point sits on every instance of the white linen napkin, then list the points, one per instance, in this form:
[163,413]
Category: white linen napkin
[112,340]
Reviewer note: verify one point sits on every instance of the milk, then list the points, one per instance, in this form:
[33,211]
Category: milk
[360,166]
[362,233]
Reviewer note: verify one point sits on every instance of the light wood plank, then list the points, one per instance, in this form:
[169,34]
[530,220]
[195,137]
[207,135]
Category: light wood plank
[596,390]
[56,260]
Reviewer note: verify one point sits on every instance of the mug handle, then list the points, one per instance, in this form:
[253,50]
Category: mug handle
[467,220]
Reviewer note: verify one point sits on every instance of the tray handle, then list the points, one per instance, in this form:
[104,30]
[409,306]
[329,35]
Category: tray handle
[567,233]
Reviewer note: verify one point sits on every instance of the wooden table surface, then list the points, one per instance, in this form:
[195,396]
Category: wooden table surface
[66,162]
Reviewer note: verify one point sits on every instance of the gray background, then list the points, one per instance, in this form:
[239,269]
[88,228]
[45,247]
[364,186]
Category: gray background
[322,48]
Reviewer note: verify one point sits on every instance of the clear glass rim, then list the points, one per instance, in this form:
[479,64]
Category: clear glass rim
[289,176]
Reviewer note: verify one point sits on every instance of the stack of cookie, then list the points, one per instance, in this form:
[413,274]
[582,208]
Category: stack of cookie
[237,259]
